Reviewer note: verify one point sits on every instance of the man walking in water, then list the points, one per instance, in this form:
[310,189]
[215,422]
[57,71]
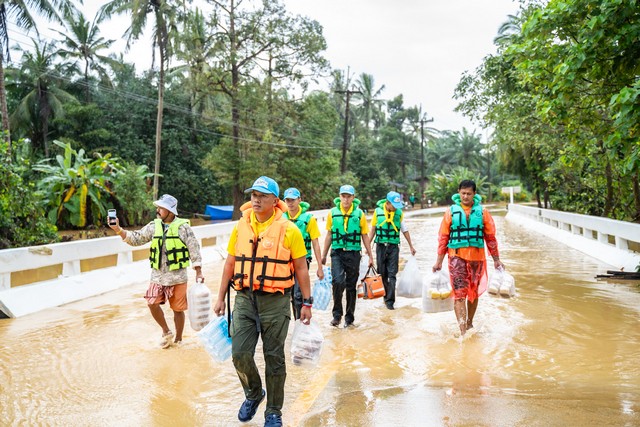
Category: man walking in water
[308,226]
[266,251]
[173,248]
[465,228]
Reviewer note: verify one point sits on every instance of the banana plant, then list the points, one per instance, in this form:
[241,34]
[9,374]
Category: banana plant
[77,189]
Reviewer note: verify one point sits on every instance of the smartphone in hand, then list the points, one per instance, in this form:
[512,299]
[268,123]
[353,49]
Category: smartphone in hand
[111,215]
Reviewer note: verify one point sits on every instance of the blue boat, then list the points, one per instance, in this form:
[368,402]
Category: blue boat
[219,212]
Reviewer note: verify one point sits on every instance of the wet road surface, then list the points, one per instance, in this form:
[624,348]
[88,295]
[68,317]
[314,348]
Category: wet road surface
[563,352]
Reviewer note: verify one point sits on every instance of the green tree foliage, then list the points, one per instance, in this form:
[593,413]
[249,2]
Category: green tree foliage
[22,216]
[259,40]
[132,195]
[445,184]
[562,94]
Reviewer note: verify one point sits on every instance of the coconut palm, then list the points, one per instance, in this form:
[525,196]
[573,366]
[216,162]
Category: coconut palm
[370,102]
[508,31]
[166,14]
[44,78]
[82,42]
[21,13]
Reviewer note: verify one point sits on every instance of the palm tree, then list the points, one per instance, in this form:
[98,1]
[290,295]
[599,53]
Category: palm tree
[371,105]
[195,45]
[22,13]
[82,42]
[166,14]
[45,100]
[508,31]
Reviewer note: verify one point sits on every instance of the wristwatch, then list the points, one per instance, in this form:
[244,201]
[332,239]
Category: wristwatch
[308,301]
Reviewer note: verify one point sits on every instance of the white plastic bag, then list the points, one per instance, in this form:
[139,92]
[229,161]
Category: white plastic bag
[322,290]
[410,282]
[364,267]
[508,287]
[502,283]
[199,305]
[436,292]
[496,281]
[306,343]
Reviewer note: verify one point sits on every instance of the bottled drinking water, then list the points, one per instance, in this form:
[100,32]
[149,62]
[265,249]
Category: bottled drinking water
[322,293]
[215,338]
[199,302]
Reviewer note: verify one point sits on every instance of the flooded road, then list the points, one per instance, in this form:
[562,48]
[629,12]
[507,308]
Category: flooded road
[564,352]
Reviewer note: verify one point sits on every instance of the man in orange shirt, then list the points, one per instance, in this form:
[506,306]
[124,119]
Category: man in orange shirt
[465,228]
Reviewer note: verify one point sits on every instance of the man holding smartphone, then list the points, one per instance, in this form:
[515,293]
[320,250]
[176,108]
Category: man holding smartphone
[173,248]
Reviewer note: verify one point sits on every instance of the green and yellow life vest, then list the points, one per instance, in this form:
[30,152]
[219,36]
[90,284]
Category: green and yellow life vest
[177,252]
[345,229]
[387,224]
[466,232]
[302,222]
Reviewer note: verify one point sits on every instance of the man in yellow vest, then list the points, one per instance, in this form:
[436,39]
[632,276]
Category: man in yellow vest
[386,226]
[266,251]
[173,248]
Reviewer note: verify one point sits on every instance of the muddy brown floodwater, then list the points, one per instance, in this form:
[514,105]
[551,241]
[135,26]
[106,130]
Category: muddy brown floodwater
[564,352]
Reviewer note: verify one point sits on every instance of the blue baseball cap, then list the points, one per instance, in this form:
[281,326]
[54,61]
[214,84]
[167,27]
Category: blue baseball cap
[291,193]
[265,185]
[395,199]
[348,189]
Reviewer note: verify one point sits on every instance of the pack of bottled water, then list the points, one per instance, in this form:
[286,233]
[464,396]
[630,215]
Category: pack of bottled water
[199,303]
[322,292]
[215,338]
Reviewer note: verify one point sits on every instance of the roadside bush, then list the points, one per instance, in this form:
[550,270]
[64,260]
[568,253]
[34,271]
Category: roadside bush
[23,221]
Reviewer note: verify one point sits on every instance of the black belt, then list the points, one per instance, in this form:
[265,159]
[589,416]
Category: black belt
[287,291]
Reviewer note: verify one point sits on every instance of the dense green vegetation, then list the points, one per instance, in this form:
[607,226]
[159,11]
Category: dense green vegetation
[563,95]
[228,100]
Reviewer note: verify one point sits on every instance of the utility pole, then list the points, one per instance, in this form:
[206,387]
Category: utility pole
[343,161]
[422,122]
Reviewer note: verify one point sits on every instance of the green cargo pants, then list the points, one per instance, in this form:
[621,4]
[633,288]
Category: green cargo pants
[275,314]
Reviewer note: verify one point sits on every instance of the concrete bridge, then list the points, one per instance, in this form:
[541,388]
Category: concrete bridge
[40,277]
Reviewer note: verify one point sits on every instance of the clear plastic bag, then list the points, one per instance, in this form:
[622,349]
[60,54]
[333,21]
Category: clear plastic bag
[306,343]
[410,282]
[508,287]
[199,303]
[364,267]
[502,283]
[322,291]
[436,292]
[215,338]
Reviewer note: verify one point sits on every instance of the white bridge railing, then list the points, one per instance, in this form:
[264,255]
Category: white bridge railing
[38,277]
[614,242]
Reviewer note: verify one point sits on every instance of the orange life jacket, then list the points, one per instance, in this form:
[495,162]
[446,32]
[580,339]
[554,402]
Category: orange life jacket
[263,258]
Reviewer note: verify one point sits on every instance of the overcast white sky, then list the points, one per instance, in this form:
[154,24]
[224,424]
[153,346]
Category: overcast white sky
[419,48]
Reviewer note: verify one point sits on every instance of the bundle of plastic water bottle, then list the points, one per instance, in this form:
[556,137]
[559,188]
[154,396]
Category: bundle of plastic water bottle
[322,290]
[215,338]
[199,303]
